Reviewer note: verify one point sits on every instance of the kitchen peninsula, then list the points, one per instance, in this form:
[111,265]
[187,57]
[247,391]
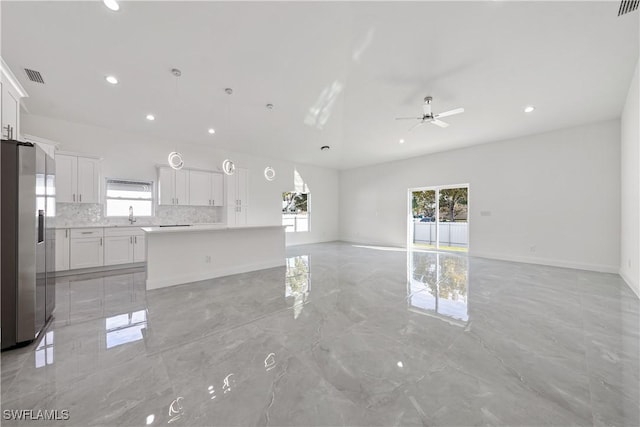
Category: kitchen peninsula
[183,254]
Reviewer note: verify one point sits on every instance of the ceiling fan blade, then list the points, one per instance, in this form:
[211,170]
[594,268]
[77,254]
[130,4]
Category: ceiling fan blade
[416,125]
[439,123]
[450,112]
[408,118]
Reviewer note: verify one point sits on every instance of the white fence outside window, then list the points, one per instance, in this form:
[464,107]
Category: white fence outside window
[451,233]
[295,222]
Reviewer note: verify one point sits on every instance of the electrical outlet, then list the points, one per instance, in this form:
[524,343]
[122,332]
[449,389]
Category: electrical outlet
[207,259]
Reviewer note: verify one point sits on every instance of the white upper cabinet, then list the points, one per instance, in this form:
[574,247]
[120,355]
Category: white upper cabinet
[88,180]
[206,188]
[182,187]
[66,178]
[166,186]
[173,186]
[217,195]
[10,113]
[200,188]
[190,187]
[237,197]
[243,193]
[10,93]
[77,179]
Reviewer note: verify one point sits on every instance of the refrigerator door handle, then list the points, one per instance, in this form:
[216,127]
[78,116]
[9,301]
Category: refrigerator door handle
[40,225]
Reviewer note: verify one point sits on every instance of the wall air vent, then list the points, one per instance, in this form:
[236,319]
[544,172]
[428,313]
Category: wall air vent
[627,6]
[34,76]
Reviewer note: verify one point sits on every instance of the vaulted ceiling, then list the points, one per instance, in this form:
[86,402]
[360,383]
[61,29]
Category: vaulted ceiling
[337,73]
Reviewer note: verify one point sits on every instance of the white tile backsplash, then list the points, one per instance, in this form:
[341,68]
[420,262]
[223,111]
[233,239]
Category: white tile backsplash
[88,214]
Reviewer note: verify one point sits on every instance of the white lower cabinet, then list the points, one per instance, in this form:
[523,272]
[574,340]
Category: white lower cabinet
[123,246]
[86,248]
[139,248]
[62,249]
[118,250]
[96,247]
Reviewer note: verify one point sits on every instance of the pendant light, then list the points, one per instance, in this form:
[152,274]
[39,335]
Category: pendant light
[228,167]
[175,158]
[269,173]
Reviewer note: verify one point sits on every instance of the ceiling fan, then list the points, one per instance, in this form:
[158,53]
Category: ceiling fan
[429,117]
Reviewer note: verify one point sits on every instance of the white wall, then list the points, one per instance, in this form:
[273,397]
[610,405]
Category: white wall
[558,191]
[630,187]
[135,156]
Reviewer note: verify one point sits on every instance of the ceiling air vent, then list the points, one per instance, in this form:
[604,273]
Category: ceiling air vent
[34,76]
[627,6]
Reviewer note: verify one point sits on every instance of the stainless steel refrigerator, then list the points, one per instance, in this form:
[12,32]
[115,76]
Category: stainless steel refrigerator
[27,250]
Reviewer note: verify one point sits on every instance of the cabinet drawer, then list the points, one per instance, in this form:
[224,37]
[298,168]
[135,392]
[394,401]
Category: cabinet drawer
[86,232]
[123,231]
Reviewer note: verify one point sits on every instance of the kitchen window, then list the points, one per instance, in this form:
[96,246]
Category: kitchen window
[295,212]
[123,193]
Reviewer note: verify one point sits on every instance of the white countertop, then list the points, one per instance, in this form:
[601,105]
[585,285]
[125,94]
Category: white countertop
[128,225]
[202,227]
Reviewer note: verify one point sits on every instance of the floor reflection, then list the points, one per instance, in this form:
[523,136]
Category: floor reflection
[44,350]
[297,282]
[125,328]
[437,284]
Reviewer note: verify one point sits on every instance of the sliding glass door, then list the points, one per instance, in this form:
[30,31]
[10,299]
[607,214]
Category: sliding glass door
[439,218]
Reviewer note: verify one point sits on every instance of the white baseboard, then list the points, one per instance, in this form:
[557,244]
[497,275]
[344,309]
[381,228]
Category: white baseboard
[181,279]
[602,268]
[374,243]
[634,286]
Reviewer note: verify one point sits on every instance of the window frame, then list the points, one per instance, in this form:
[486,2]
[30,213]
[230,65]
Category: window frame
[295,215]
[134,181]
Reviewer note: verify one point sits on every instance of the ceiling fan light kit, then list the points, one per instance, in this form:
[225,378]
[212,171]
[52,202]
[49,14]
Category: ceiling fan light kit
[429,117]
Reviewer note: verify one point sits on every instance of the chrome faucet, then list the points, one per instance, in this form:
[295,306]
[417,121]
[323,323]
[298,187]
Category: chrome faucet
[131,218]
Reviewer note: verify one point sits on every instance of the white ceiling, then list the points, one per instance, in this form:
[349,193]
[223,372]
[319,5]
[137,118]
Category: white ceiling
[337,72]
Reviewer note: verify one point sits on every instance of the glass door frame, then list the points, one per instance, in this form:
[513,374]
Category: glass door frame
[437,188]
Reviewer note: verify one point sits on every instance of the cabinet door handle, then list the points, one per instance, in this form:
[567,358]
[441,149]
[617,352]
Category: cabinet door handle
[177,201]
[66,233]
[101,241]
[213,202]
[80,196]
[135,239]
[74,197]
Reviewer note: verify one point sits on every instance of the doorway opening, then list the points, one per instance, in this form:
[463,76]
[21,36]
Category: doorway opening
[438,218]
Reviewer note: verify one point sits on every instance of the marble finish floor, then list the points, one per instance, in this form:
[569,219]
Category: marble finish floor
[344,335]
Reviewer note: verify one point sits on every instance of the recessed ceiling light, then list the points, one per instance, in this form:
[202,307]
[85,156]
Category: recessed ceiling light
[112,79]
[325,148]
[529,109]
[401,141]
[212,131]
[269,106]
[112,4]
[151,117]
